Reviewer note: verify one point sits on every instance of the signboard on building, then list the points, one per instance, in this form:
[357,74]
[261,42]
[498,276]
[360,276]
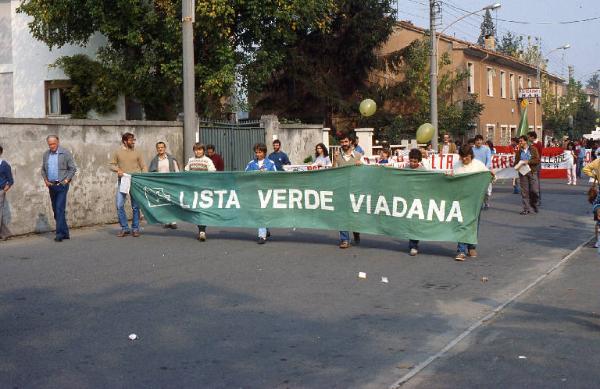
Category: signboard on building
[530,93]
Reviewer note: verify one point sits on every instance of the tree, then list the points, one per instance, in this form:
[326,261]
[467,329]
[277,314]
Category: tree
[234,39]
[557,110]
[487,28]
[322,72]
[531,52]
[511,44]
[593,82]
[405,103]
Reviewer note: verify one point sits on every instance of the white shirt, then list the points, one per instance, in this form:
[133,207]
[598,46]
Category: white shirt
[445,149]
[475,166]
[163,165]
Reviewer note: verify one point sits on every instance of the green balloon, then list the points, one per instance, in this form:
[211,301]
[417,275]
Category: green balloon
[367,107]
[425,133]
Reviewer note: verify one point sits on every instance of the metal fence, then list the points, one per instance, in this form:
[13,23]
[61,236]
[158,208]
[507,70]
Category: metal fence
[233,141]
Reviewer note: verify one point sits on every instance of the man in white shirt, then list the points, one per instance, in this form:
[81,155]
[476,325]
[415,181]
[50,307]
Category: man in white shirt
[164,162]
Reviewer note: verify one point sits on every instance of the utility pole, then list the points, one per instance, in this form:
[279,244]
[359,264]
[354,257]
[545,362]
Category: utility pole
[189,98]
[433,12]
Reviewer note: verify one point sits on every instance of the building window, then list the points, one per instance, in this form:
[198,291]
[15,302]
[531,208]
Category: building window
[528,82]
[490,82]
[471,70]
[490,131]
[511,82]
[502,84]
[513,131]
[57,101]
[520,82]
[504,135]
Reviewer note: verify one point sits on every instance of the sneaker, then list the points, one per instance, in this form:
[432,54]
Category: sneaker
[344,244]
[486,206]
[413,252]
[202,236]
[524,213]
[460,257]
[472,253]
[173,226]
[261,240]
[123,233]
[166,226]
[135,234]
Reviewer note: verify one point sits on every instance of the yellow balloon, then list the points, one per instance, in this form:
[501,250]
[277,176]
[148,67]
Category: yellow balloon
[425,133]
[367,107]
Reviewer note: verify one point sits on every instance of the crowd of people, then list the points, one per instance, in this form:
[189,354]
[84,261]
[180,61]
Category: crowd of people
[58,169]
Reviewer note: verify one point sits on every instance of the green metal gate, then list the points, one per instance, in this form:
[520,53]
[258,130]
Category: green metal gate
[233,141]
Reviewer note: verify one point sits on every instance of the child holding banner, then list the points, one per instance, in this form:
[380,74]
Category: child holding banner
[200,163]
[260,163]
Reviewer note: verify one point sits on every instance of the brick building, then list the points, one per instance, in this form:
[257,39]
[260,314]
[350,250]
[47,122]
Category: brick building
[496,78]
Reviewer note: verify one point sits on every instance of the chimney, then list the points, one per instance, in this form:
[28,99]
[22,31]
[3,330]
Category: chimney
[490,42]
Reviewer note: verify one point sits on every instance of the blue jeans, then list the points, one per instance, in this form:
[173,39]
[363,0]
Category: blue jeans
[465,247]
[58,197]
[579,167]
[135,223]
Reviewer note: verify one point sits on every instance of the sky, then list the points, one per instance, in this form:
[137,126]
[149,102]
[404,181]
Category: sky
[543,17]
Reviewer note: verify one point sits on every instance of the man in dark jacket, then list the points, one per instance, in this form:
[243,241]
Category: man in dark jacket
[58,170]
[6,181]
[528,181]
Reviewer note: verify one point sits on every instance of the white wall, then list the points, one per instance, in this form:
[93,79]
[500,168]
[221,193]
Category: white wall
[30,65]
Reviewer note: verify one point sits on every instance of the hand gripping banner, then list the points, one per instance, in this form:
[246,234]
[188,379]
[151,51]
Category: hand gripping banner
[408,204]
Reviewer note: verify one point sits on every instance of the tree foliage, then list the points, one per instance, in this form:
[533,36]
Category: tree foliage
[324,69]
[405,103]
[511,44]
[557,110]
[593,82]
[488,28]
[233,39]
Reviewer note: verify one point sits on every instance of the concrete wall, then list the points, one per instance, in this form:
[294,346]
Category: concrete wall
[297,140]
[91,197]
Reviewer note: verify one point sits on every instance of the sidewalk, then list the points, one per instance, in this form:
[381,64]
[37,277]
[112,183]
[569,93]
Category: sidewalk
[548,338]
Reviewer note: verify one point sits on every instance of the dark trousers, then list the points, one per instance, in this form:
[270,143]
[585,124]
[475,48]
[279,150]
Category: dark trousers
[529,190]
[58,197]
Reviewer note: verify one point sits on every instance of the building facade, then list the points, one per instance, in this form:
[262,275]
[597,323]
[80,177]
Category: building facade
[30,87]
[494,77]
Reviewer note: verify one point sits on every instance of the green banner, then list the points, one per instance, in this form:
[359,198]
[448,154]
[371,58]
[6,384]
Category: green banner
[409,204]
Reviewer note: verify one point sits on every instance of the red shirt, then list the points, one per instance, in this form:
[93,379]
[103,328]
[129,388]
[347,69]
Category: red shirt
[218,162]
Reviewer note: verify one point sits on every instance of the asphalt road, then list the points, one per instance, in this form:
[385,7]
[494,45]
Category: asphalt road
[292,313]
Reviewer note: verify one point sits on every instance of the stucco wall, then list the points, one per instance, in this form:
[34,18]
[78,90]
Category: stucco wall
[297,140]
[31,66]
[91,198]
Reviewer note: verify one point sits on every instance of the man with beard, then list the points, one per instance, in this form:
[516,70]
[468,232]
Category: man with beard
[347,157]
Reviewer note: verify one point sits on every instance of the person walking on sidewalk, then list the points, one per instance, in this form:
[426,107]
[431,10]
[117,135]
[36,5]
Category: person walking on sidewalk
[6,182]
[347,157]
[127,160]
[200,163]
[262,164]
[164,162]
[58,170]
[528,181]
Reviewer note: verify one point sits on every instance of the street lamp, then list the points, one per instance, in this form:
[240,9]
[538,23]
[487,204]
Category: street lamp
[434,63]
